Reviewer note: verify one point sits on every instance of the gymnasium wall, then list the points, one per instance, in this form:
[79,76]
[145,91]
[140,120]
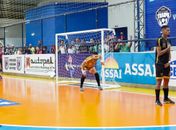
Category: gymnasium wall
[168,13]
[121,16]
[44,26]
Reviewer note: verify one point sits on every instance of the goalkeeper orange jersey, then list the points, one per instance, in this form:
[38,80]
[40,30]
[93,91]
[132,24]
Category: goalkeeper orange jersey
[90,62]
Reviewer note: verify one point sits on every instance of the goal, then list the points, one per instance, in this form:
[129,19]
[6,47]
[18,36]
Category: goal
[73,47]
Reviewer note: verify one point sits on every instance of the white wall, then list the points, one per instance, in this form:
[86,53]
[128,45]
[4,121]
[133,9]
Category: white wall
[13,35]
[121,16]
[1,32]
[1,35]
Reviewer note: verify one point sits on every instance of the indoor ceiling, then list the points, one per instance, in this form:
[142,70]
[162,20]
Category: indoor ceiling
[13,11]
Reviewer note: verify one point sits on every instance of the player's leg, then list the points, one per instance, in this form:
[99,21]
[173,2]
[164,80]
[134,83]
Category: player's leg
[0,65]
[97,77]
[0,68]
[83,77]
[159,77]
[166,73]
[157,91]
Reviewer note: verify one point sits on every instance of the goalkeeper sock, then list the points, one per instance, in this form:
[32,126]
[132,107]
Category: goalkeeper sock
[82,81]
[97,77]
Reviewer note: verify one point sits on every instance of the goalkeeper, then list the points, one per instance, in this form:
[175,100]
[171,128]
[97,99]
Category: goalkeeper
[89,65]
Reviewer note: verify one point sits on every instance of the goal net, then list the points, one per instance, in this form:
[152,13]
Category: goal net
[73,47]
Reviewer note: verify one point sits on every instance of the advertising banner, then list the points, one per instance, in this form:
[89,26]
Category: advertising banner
[157,14]
[137,68]
[13,63]
[69,65]
[173,69]
[40,64]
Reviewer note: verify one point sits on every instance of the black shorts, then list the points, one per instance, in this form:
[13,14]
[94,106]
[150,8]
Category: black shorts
[162,72]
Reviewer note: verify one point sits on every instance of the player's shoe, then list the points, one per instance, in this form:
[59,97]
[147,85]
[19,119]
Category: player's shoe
[158,103]
[168,101]
[100,88]
[81,89]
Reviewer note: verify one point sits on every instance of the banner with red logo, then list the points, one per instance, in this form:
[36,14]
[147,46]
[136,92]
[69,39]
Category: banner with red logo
[40,64]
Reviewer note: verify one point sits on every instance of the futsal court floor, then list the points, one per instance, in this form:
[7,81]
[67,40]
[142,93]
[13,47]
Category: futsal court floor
[34,104]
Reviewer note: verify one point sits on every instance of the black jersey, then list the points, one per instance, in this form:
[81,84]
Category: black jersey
[163,43]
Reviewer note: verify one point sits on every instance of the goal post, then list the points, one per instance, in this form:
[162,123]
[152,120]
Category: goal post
[80,41]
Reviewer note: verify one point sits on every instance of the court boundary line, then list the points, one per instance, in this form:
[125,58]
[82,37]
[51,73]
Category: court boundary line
[62,127]
[146,94]
[116,89]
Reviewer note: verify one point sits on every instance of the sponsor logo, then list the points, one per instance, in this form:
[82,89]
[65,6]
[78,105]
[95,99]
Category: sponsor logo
[163,16]
[173,70]
[28,63]
[70,67]
[42,61]
[19,63]
[112,69]
[6,62]
[140,70]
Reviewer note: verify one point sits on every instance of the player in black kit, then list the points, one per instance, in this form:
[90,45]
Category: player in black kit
[162,64]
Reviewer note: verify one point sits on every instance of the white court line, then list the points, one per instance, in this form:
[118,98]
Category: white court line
[122,91]
[125,127]
[137,93]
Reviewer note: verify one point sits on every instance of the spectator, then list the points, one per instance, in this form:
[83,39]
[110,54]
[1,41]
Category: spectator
[24,51]
[28,51]
[83,42]
[32,49]
[62,49]
[77,45]
[92,41]
[53,49]
[93,47]
[19,52]
[38,50]
[125,47]
[71,50]
[122,37]
[7,50]
[13,50]
[117,46]
[40,44]
[44,50]
[106,47]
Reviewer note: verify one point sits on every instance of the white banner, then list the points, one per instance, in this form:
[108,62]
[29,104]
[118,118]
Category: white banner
[13,63]
[40,64]
[173,69]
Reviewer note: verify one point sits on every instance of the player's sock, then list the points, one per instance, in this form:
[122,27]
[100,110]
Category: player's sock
[167,100]
[157,92]
[97,77]
[98,81]
[166,93]
[82,81]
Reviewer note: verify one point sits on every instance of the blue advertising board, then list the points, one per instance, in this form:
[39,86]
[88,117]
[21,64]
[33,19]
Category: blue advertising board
[157,14]
[137,68]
